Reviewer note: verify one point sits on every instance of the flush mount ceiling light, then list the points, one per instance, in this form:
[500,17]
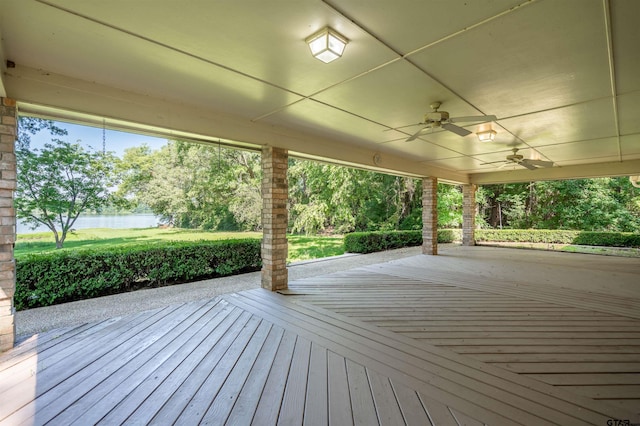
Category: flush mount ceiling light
[327,44]
[487,135]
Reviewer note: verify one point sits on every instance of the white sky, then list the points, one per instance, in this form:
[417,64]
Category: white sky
[116,141]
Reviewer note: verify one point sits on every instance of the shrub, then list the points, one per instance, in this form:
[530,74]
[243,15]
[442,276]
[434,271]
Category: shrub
[526,235]
[369,242]
[64,276]
[609,239]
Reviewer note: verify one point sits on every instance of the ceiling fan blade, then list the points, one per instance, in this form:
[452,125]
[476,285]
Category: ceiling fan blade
[540,163]
[527,164]
[492,162]
[506,163]
[477,118]
[403,127]
[456,129]
[416,134]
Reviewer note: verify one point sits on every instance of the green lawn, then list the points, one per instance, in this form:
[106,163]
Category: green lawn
[301,247]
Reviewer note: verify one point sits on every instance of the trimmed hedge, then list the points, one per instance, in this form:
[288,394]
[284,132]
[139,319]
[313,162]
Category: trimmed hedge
[369,242]
[64,276]
[525,236]
[587,238]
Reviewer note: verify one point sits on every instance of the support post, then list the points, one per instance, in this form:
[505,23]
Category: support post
[430,215]
[468,215]
[8,133]
[275,190]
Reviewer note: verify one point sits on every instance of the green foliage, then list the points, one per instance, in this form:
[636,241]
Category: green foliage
[609,239]
[369,242]
[194,186]
[58,183]
[304,247]
[525,235]
[64,276]
[29,126]
[449,206]
[327,197]
[603,204]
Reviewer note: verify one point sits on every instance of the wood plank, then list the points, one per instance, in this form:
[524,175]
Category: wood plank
[82,391]
[410,404]
[316,410]
[71,360]
[249,396]
[437,377]
[556,295]
[137,389]
[583,367]
[201,399]
[171,373]
[292,408]
[31,346]
[512,358]
[441,320]
[268,407]
[223,403]
[362,403]
[539,341]
[588,378]
[340,412]
[607,392]
[185,380]
[439,414]
[525,334]
[390,366]
[96,404]
[578,330]
[15,373]
[549,349]
[628,405]
[465,420]
[387,408]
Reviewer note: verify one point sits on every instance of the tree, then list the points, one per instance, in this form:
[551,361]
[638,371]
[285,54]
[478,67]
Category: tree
[325,197]
[59,182]
[195,185]
[601,204]
[29,126]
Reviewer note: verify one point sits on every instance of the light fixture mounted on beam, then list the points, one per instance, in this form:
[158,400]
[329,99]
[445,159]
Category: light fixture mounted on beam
[487,135]
[327,44]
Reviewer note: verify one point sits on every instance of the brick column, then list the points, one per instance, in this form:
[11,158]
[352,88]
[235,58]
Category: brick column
[8,132]
[468,215]
[274,218]
[430,215]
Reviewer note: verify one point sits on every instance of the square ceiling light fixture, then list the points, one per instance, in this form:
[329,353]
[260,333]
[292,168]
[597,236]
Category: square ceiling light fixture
[327,44]
[487,135]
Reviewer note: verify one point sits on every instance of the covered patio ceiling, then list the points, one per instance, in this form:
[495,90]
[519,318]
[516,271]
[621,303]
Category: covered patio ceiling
[561,76]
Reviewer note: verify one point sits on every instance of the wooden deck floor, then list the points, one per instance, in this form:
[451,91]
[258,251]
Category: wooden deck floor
[258,357]
[585,343]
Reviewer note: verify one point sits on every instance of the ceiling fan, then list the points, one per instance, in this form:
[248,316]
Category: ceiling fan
[519,160]
[435,119]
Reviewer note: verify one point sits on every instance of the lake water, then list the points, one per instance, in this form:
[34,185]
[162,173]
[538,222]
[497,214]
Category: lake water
[98,221]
